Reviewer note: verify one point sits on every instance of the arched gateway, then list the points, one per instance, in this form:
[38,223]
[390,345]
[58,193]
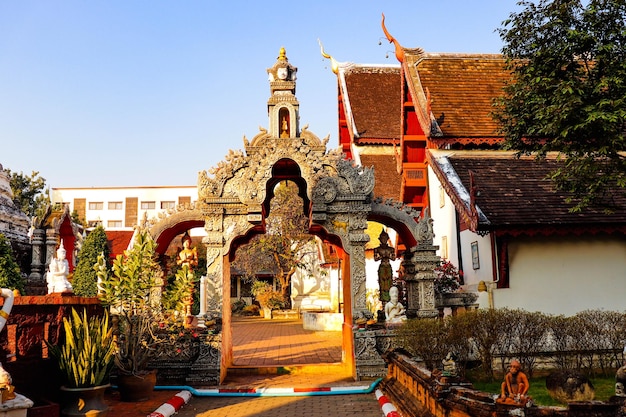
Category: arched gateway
[233,201]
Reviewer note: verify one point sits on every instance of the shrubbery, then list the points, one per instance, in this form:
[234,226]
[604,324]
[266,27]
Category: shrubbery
[84,281]
[590,341]
[10,276]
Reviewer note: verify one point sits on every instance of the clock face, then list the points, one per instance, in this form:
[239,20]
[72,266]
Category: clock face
[281,73]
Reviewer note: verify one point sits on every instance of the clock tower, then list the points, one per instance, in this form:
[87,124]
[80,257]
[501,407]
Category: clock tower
[282,107]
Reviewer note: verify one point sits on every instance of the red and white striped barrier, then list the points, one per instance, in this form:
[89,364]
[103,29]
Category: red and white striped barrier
[172,405]
[389,410]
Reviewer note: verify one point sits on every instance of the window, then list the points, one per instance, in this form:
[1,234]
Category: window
[114,223]
[442,197]
[96,205]
[115,205]
[166,205]
[475,256]
[94,223]
[147,205]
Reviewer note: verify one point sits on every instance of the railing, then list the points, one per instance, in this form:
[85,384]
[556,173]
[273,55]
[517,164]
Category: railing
[416,391]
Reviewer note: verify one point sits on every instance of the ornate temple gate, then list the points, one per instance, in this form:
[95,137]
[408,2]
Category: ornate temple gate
[234,198]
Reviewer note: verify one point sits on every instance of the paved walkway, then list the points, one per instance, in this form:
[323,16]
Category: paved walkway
[258,342]
[268,347]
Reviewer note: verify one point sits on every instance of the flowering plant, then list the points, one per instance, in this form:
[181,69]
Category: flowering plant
[448,278]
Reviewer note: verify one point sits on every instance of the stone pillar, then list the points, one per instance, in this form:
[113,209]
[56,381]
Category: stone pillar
[203,302]
[213,280]
[214,291]
[357,275]
[52,240]
[426,260]
[36,266]
[412,287]
[419,272]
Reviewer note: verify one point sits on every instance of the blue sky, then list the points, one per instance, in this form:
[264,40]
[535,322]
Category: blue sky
[131,93]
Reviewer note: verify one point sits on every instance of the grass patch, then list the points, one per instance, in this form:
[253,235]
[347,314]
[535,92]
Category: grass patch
[604,386]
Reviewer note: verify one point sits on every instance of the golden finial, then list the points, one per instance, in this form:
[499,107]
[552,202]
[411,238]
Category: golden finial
[282,55]
[399,49]
[334,66]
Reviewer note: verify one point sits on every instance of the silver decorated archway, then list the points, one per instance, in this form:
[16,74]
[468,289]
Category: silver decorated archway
[234,195]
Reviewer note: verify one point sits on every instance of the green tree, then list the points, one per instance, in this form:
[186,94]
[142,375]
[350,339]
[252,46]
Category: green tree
[10,276]
[284,246]
[568,92]
[29,192]
[85,278]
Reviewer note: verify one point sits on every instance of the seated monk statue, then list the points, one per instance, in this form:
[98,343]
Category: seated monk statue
[515,386]
[394,310]
[58,271]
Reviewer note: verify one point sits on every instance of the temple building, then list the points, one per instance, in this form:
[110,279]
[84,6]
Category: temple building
[496,217]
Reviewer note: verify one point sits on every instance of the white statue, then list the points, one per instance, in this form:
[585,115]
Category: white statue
[58,271]
[394,310]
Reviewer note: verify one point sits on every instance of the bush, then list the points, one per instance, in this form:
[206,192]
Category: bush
[84,282]
[590,341]
[251,310]
[424,338]
[266,296]
[10,276]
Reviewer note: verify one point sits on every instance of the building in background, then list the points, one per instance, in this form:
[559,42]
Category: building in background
[496,217]
[122,208]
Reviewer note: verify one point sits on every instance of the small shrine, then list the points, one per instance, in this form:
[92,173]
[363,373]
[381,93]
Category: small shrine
[54,229]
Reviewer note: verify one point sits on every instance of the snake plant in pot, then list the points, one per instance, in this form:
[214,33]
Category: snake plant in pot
[85,358]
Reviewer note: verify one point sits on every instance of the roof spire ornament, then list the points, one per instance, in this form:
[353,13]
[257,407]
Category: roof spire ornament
[334,65]
[282,54]
[391,39]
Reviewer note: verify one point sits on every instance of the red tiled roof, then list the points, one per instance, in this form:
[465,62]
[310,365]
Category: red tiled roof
[374,94]
[388,181]
[516,193]
[462,88]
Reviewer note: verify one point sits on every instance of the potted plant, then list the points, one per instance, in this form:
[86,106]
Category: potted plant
[85,359]
[132,292]
[268,298]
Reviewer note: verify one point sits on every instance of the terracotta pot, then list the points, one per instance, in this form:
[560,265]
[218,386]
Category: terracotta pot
[84,401]
[136,388]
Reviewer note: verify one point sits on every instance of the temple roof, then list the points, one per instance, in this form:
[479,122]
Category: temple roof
[372,99]
[462,88]
[388,181]
[515,193]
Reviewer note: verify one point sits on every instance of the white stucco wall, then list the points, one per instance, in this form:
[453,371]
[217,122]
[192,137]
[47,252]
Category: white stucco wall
[444,220]
[106,195]
[446,237]
[484,272]
[565,276]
